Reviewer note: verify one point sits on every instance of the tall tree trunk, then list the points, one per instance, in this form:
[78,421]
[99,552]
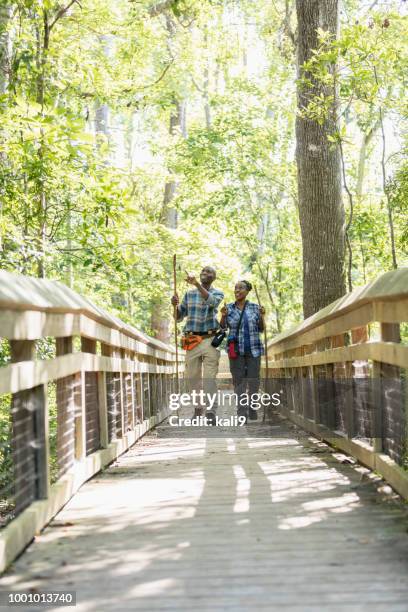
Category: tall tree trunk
[177,123]
[362,157]
[5,53]
[5,47]
[206,84]
[321,210]
[43,45]
[102,111]
[361,168]
[160,307]
[102,120]
[387,194]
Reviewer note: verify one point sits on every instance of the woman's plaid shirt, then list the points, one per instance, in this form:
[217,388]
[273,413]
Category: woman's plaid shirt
[253,314]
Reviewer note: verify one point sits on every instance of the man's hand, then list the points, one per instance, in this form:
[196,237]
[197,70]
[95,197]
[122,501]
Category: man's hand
[175,300]
[224,310]
[191,279]
[262,310]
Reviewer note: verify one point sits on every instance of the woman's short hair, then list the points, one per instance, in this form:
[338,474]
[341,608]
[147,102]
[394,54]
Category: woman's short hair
[247,284]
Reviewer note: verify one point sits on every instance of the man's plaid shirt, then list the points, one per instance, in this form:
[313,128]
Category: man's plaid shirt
[201,314]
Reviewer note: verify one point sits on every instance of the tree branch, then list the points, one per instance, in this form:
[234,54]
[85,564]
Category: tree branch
[160,7]
[350,219]
[160,77]
[287,28]
[61,13]
[163,74]
[196,85]
[384,181]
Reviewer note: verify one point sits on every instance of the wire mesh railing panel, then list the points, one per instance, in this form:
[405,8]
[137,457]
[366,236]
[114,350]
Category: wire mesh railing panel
[137,391]
[26,445]
[92,413]
[113,400]
[68,396]
[394,418]
[51,393]
[127,400]
[307,394]
[146,395]
[363,409]
[7,503]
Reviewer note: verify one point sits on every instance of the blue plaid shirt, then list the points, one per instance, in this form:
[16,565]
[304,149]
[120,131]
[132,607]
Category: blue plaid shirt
[249,324]
[201,314]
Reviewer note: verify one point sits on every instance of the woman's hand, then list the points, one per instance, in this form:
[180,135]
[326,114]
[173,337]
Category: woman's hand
[224,310]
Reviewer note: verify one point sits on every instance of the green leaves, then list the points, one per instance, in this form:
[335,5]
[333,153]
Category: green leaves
[88,208]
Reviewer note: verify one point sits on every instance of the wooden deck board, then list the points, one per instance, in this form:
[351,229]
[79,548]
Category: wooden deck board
[225,524]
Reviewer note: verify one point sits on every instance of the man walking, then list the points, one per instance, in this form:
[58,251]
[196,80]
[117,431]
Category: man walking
[199,306]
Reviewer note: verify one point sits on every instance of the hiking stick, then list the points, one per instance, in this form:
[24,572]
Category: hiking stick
[175,319]
[266,347]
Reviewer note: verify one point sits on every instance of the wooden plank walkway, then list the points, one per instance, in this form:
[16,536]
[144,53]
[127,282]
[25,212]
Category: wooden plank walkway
[279,522]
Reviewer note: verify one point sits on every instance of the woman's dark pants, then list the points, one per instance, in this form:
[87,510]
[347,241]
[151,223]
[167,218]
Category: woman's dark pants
[245,377]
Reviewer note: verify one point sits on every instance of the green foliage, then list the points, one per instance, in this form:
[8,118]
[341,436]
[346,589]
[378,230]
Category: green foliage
[83,202]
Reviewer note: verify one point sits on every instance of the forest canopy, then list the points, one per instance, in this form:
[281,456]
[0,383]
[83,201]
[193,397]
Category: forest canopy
[131,130]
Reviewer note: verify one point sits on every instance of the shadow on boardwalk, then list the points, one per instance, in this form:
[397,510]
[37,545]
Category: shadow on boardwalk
[252,523]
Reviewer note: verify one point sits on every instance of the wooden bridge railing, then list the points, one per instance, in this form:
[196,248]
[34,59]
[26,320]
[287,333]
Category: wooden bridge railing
[77,388]
[343,374]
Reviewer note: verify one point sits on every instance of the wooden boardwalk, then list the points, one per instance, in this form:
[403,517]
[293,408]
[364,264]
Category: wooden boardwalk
[279,522]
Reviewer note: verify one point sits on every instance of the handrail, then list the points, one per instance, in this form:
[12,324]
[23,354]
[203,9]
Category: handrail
[22,293]
[343,374]
[389,287]
[104,385]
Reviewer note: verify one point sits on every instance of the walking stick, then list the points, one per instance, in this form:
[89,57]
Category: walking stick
[175,320]
[266,348]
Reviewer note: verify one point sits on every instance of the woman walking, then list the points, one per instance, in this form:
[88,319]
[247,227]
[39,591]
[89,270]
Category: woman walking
[244,320]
